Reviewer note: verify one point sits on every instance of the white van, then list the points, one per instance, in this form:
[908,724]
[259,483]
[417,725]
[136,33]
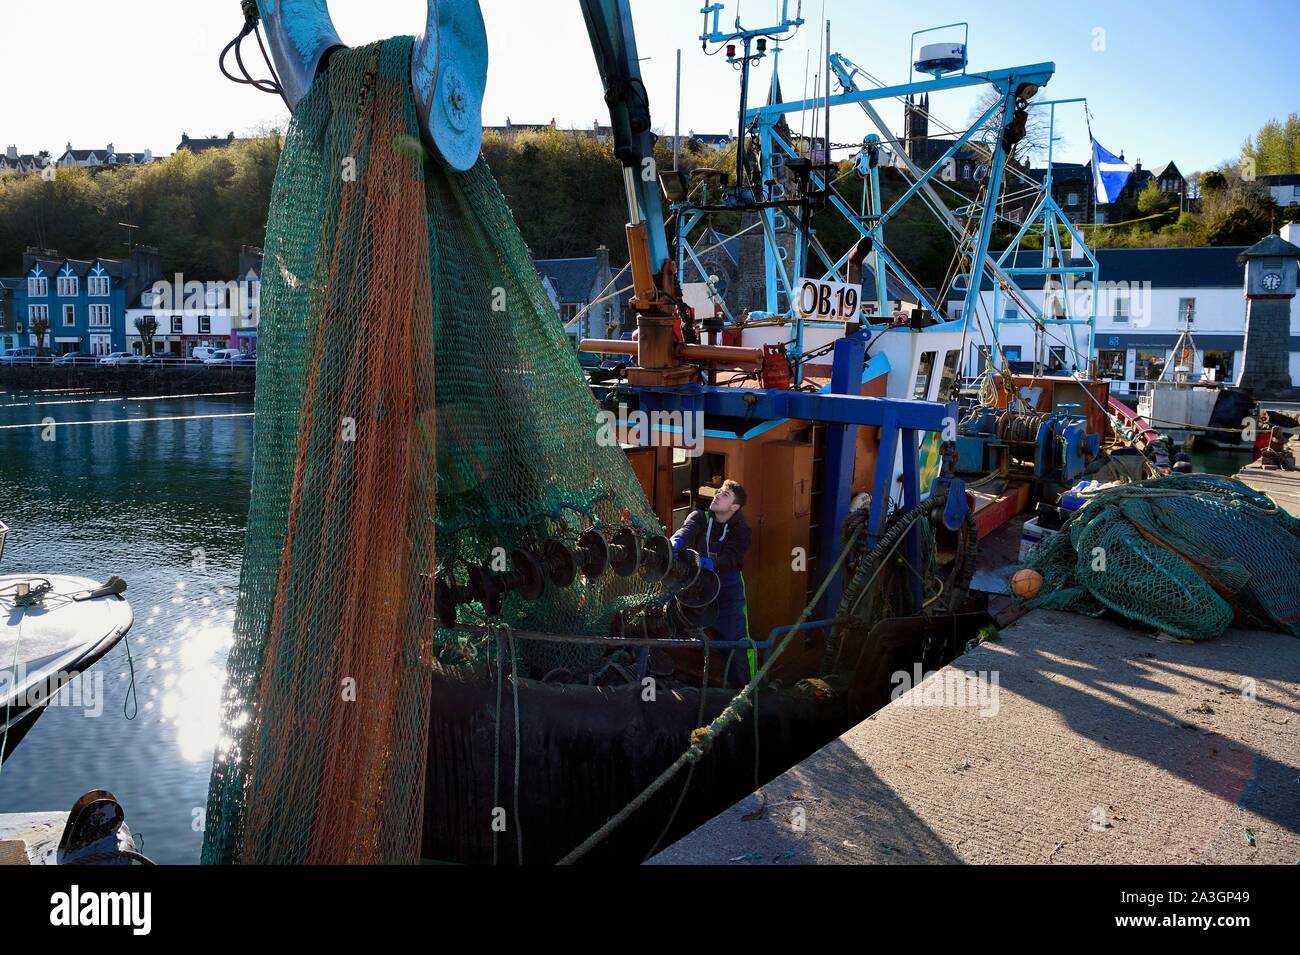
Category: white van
[203,353]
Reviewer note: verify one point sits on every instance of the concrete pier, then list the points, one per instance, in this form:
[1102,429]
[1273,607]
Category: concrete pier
[1096,744]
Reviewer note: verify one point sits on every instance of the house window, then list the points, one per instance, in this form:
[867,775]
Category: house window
[1010,314]
[68,285]
[1186,310]
[205,324]
[18,326]
[1056,358]
[38,313]
[69,316]
[1218,363]
[177,324]
[1111,363]
[1121,314]
[38,287]
[97,285]
[99,315]
[1071,198]
[1148,366]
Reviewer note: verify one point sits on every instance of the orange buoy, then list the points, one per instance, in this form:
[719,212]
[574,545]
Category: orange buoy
[1026,583]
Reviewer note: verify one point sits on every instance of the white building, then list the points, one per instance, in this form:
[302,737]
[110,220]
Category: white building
[210,316]
[108,156]
[1285,189]
[1144,297]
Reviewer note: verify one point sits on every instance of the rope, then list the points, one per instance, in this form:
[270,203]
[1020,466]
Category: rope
[702,737]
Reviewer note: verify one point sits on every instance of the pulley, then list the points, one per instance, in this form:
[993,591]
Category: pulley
[448,67]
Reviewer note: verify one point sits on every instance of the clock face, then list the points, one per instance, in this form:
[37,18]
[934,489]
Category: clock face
[1272,281]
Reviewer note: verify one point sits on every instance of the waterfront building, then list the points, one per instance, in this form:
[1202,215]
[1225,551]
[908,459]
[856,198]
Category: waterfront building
[81,302]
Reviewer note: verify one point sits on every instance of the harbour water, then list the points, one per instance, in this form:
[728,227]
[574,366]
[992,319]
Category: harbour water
[153,489]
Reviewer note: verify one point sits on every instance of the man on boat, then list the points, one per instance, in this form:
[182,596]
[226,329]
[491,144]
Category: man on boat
[721,537]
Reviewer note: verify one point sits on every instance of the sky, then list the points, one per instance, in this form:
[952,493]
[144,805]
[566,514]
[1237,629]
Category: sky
[1187,80]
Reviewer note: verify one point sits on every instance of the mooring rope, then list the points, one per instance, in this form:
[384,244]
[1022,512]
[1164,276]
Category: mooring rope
[702,737]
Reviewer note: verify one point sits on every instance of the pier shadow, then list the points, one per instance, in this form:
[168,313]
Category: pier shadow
[1111,703]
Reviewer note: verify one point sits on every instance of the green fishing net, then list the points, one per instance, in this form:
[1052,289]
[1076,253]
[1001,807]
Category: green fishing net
[1187,553]
[419,408]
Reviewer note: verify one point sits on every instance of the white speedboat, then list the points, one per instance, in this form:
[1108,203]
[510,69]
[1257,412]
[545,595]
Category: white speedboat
[53,628]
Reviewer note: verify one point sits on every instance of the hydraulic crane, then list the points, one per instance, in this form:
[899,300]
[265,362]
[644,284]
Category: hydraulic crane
[449,75]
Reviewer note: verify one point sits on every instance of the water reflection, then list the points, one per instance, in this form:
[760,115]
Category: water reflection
[155,489]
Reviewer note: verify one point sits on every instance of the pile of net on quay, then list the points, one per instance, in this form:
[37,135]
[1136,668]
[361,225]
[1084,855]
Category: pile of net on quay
[1188,554]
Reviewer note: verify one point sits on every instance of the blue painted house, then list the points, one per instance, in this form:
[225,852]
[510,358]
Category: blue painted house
[83,300]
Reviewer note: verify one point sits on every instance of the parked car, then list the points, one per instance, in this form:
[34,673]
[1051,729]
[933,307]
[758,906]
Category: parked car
[222,356]
[247,361]
[74,358]
[120,358]
[18,356]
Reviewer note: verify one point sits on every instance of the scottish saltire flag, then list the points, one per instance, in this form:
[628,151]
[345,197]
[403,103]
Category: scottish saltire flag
[1109,172]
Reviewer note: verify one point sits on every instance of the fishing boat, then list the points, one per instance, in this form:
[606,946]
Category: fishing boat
[576,703]
[1197,408]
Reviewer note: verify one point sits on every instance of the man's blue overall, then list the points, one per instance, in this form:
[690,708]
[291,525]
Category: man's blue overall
[733,621]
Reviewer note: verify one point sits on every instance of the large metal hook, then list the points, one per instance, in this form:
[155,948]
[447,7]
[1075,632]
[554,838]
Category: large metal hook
[448,67]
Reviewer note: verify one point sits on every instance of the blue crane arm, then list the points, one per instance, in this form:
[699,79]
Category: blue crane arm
[613,41]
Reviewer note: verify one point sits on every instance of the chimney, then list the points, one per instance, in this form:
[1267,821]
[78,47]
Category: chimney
[185,137]
[12,153]
[602,263]
[146,269]
[110,149]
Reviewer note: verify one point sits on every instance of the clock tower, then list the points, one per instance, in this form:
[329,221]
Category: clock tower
[1270,286]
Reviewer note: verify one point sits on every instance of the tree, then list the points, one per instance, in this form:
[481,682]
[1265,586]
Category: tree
[39,327]
[1237,226]
[147,326]
[1275,148]
[1213,181]
[1038,127]
[1151,200]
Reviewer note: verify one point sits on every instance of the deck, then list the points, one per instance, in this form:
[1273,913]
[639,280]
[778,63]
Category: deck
[1098,744]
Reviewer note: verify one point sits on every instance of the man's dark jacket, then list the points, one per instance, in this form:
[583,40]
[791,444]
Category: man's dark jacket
[731,554]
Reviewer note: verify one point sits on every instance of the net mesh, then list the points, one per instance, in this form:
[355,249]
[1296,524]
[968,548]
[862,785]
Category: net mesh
[381,265]
[1185,553]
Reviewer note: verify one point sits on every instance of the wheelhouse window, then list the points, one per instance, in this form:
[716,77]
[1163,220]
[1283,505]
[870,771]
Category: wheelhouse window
[1186,311]
[949,376]
[924,372]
